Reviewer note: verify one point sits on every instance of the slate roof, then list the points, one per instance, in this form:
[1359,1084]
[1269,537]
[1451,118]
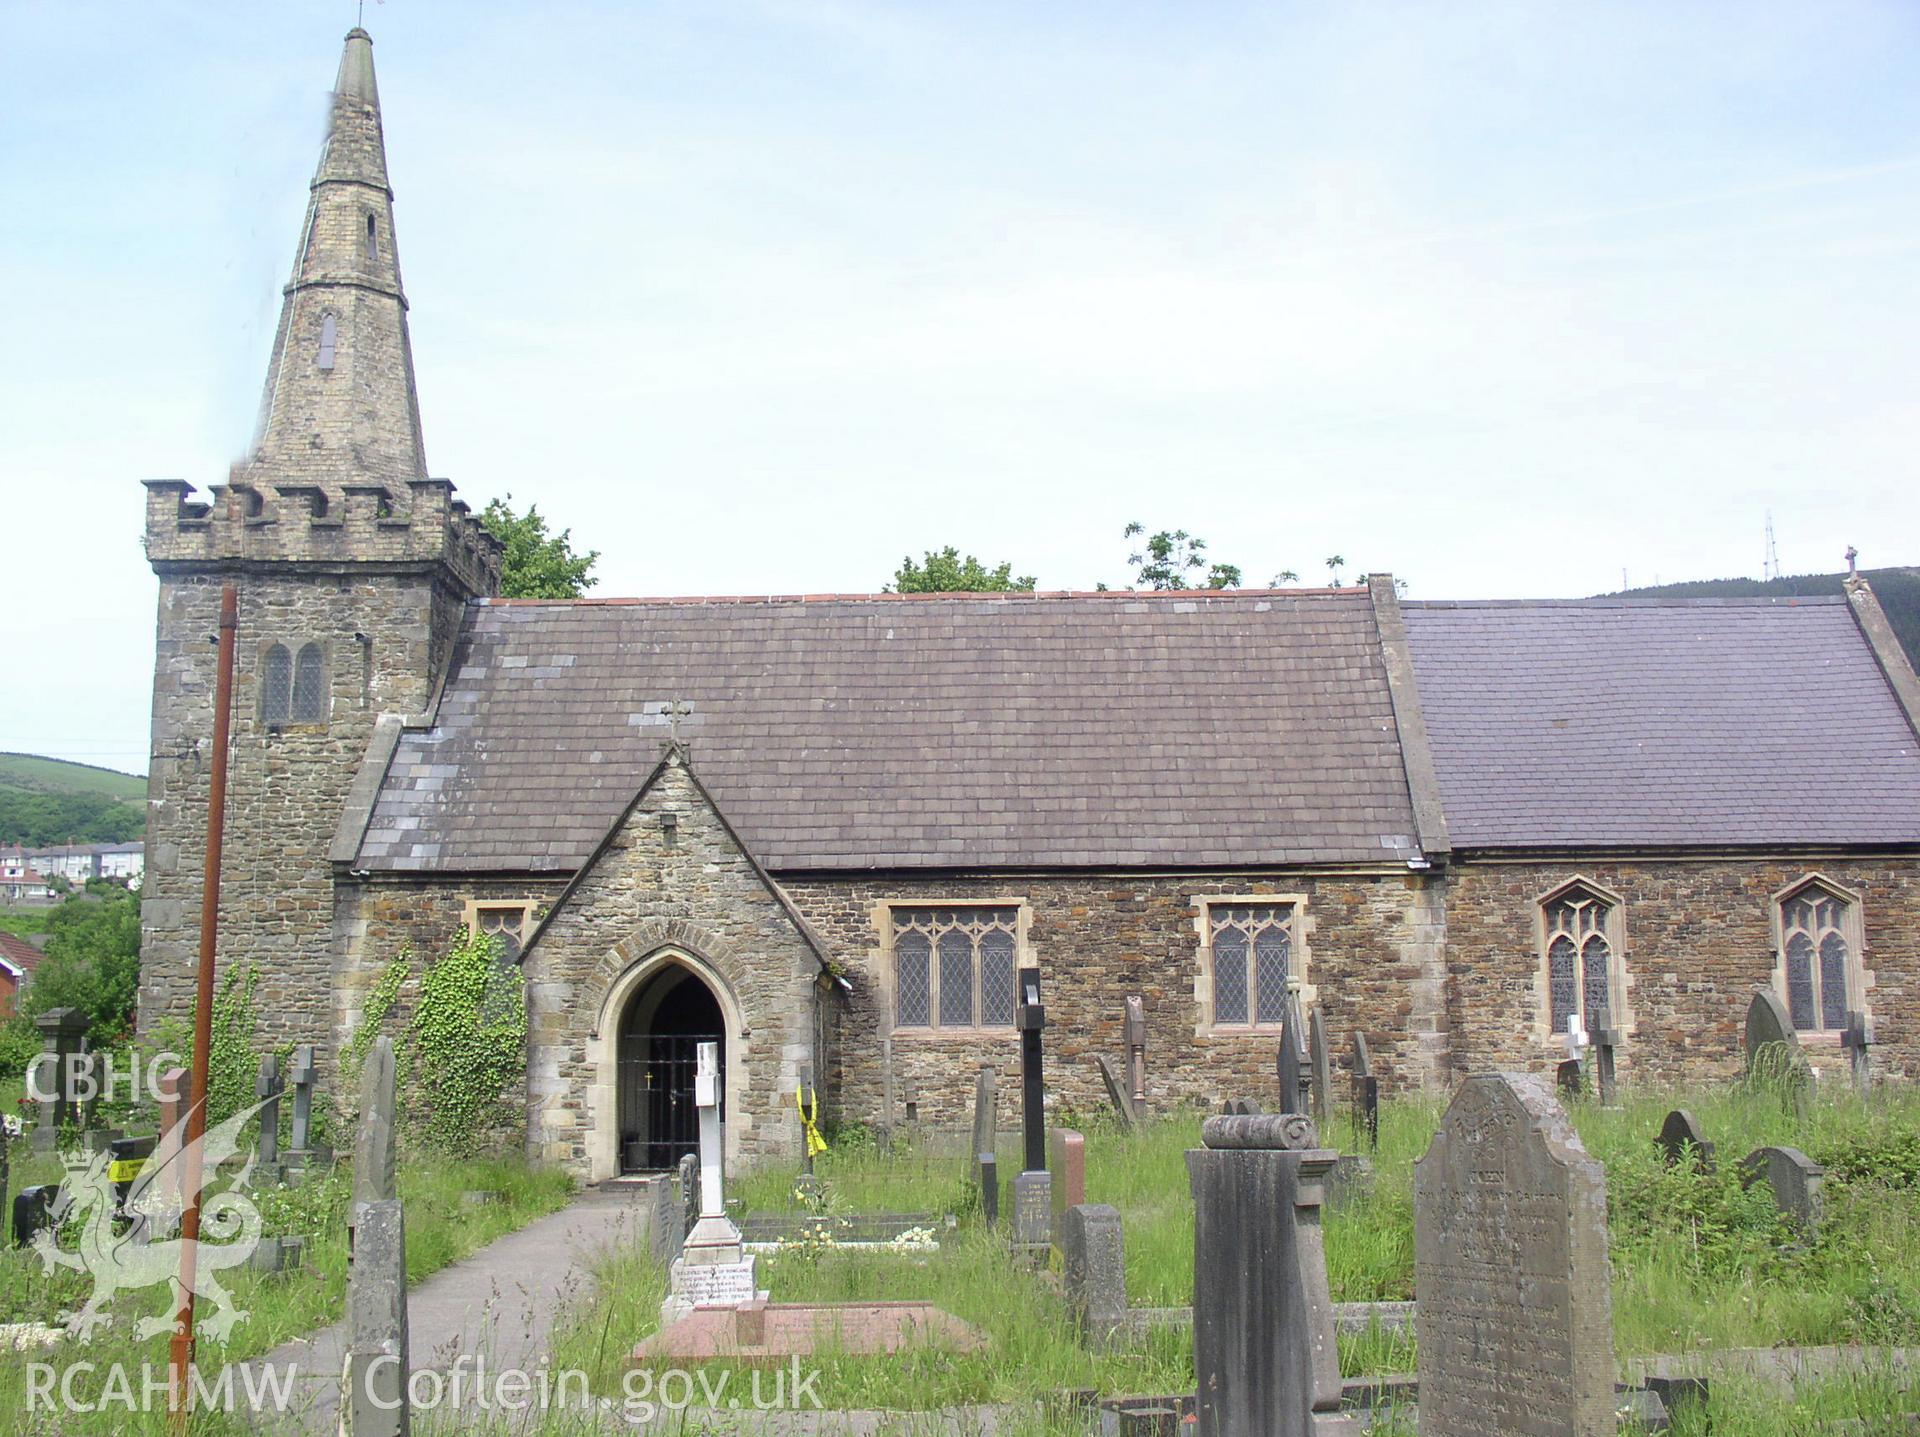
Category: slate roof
[1649,723]
[926,732]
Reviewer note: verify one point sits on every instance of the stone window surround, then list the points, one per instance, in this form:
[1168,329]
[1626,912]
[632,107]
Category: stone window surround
[1621,977]
[882,955]
[470,914]
[1299,977]
[1853,927]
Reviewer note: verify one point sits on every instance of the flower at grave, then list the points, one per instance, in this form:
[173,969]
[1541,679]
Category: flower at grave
[12,1125]
[914,1239]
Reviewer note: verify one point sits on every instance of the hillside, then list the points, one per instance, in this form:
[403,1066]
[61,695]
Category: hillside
[1897,589]
[48,800]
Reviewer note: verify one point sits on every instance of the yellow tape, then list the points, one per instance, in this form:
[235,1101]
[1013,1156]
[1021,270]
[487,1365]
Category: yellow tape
[815,1143]
[125,1170]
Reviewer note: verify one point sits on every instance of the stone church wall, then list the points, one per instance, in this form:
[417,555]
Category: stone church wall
[1372,948]
[381,637]
[1698,938]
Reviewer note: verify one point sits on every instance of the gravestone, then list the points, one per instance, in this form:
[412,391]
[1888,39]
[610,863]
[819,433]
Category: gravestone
[989,1189]
[1320,1063]
[32,1211]
[1239,1108]
[373,1395]
[667,1223]
[61,1032]
[1678,1134]
[1768,1023]
[1264,1357]
[302,1152]
[985,1096]
[1569,1079]
[1033,1185]
[910,1098]
[1137,1053]
[1069,1169]
[1855,1040]
[1296,1078]
[687,1176]
[713,1269]
[1795,1180]
[1094,1272]
[266,1087]
[1606,1039]
[1123,1106]
[1366,1094]
[886,1095]
[1514,1317]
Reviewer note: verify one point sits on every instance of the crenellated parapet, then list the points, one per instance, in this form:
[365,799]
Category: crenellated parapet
[243,523]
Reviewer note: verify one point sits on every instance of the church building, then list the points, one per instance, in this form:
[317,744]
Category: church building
[827,830]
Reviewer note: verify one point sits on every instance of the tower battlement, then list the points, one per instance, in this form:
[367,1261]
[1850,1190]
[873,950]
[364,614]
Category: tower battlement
[304,524]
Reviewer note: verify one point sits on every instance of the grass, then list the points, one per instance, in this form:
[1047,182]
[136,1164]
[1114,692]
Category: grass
[58,775]
[24,921]
[440,1230]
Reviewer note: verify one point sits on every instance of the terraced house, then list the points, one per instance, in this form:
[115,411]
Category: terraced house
[828,829]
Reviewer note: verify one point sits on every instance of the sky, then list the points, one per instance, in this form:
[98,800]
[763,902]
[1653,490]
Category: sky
[1513,300]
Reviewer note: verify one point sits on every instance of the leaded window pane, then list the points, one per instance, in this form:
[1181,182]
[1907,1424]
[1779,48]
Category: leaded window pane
[996,977]
[956,979]
[1230,977]
[276,685]
[1271,963]
[1596,995]
[1800,982]
[913,986]
[1833,980]
[1560,965]
[310,686]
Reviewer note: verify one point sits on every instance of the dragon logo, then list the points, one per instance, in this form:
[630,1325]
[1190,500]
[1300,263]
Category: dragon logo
[124,1258]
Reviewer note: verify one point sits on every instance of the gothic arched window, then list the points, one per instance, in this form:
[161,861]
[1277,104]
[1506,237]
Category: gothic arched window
[1582,946]
[373,241]
[953,967]
[329,339]
[276,686]
[310,685]
[1817,954]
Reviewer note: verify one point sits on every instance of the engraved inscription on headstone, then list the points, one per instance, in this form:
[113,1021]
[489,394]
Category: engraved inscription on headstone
[1515,1322]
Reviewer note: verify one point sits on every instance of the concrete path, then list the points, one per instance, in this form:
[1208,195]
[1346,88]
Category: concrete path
[499,1303]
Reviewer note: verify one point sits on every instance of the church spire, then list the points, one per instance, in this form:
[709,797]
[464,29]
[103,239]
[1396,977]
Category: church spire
[340,407]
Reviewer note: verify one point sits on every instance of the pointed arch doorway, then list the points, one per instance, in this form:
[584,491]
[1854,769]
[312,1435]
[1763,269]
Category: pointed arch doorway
[664,1023]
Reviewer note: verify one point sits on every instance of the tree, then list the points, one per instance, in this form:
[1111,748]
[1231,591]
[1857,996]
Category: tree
[1168,558]
[945,572]
[92,961]
[538,565]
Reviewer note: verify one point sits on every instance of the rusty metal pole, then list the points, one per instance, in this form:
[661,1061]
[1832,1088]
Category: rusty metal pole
[181,1351]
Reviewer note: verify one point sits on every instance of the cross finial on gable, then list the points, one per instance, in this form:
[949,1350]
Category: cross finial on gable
[673,711]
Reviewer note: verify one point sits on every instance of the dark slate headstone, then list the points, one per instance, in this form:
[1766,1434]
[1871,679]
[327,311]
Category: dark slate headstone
[989,1189]
[1570,1079]
[1033,1207]
[1320,1062]
[32,1211]
[1514,1316]
[1295,1074]
[1263,1330]
[1795,1180]
[1855,1041]
[1679,1133]
[1768,1023]
[1094,1267]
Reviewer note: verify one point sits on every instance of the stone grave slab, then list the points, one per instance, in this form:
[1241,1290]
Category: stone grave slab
[1514,1316]
[1123,1107]
[1094,1271]
[1320,1065]
[788,1329]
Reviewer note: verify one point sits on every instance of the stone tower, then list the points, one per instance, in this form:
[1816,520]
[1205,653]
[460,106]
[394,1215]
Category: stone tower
[353,568]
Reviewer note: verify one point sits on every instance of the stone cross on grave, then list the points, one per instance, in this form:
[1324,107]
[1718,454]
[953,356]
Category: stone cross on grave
[1856,1040]
[1033,1187]
[713,1269]
[266,1087]
[1606,1038]
[300,1075]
